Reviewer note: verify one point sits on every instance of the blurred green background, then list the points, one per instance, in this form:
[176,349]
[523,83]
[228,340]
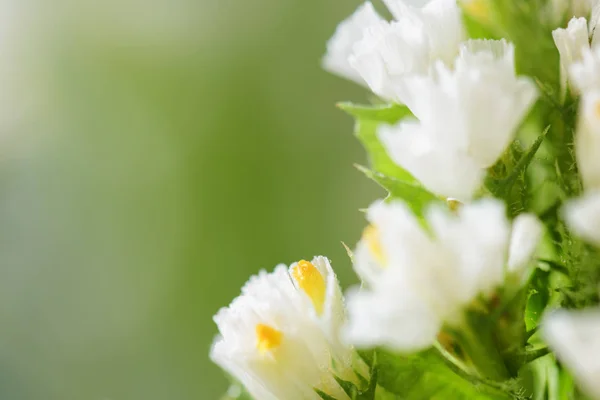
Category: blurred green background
[153,157]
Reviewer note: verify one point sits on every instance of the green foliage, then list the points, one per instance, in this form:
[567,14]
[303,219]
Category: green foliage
[398,182]
[413,194]
[368,119]
[503,187]
[427,375]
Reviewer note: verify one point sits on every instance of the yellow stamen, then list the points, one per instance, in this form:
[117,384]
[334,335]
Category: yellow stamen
[371,236]
[267,338]
[310,280]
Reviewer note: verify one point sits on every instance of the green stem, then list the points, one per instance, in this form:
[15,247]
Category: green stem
[533,355]
[529,334]
[481,349]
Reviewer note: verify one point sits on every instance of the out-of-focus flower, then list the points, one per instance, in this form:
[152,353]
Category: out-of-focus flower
[571,43]
[526,233]
[585,74]
[349,32]
[385,53]
[280,337]
[583,214]
[420,279]
[467,118]
[558,10]
[587,143]
[575,338]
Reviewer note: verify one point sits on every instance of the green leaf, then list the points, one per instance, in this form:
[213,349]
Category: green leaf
[390,113]
[368,356]
[349,388]
[324,395]
[426,376]
[368,119]
[501,188]
[413,194]
[538,298]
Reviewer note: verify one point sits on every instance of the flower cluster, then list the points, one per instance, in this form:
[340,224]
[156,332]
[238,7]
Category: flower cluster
[487,139]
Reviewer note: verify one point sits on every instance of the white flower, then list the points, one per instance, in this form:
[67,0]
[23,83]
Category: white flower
[559,9]
[419,279]
[587,140]
[575,338]
[441,23]
[585,75]
[349,32]
[583,214]
[391,51]
[526,233]
[280,337]
[467,118]
[368,49]
[571,43]
[388,53]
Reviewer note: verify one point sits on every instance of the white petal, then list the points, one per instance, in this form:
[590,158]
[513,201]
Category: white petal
[391,316]
[583,216]
[423,33]
[348,33]
[585,74]
[478,236]
[571,42]
[378,250]
[442,170]
[444,23]
[575,338]
[587,140]
[593,23]
[493,101]
[526,234]
[388,53]
[441,20]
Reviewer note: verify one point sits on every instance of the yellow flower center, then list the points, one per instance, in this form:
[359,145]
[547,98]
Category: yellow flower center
[267,338]
[372,238]
[310,280]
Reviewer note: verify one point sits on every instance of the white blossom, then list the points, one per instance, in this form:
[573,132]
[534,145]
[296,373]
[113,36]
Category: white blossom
[466,119]
[587,140]
[571,43]
[558,10]
[526,233]
[585,74]
[368,49]
[574,336]
[349,32]
[392,51]
[279,338]
[419,279]
[583,214]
